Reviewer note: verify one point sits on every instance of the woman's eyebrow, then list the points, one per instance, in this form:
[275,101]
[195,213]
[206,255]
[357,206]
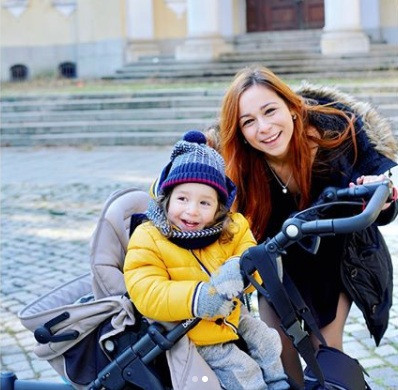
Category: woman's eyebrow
[243,116]
[261,108]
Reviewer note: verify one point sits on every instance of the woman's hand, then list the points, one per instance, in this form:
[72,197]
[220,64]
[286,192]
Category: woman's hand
[366,179]
[370,179]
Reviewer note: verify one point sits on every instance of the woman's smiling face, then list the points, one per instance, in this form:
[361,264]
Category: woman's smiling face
[265,121]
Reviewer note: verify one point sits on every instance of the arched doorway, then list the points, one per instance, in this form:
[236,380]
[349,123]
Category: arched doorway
[271,15]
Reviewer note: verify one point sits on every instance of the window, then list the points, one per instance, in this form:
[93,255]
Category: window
[18,72]
[67,70]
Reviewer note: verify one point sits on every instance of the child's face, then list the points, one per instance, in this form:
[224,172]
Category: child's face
[192,206]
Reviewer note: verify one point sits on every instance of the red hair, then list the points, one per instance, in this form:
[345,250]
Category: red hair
[246,166]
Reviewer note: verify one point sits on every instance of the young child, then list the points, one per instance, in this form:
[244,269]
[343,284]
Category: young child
[184,263]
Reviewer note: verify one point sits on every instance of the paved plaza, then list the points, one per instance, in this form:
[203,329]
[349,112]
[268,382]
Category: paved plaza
[51,199]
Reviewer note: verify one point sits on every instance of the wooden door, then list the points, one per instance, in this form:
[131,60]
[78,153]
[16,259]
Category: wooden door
[270,15]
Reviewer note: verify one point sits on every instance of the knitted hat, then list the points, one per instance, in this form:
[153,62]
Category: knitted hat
[192,161]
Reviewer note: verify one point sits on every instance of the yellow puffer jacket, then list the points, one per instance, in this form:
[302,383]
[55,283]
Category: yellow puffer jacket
[162,278]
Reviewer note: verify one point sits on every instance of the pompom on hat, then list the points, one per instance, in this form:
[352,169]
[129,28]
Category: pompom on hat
[192,161]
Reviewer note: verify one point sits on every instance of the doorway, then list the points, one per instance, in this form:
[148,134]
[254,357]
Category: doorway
[271,15]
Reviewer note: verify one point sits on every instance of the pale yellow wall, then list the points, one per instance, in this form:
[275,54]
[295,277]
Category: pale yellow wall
[389,13]
[166,23]
[100,20]
[39,25]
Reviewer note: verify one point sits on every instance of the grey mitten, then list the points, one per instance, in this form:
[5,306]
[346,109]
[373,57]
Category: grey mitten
[210,304]
[228,280]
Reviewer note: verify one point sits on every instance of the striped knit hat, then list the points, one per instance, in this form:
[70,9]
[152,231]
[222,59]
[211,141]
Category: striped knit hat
[192,161]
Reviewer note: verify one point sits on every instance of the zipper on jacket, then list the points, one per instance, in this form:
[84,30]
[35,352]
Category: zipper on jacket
[232,326]
[200,263]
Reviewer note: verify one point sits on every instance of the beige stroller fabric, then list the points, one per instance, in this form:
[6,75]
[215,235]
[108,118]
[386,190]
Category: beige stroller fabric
[110,239]
[83,318]
[106,287]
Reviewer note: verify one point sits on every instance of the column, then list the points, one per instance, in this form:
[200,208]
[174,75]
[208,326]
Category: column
[370,19]
[140,30]
[342,33]
[209,24]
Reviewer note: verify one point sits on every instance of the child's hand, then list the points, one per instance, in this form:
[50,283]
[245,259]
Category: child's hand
[211,304]
[228,280]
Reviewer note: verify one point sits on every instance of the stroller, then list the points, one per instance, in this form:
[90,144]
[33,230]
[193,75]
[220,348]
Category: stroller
[89,322]
[92,335]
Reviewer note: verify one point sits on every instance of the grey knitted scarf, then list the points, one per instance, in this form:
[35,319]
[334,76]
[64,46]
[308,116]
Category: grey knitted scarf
[189,240]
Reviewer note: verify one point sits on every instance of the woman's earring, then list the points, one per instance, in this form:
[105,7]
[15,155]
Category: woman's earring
[244,141]
[294,117]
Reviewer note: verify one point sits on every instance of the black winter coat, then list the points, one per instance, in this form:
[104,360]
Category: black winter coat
[318,277]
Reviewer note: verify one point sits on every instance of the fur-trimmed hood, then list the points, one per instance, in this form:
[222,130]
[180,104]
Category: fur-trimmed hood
[377,128]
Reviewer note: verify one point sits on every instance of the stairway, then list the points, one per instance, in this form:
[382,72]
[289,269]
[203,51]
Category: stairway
[142,118]
[152,117]
[290,54]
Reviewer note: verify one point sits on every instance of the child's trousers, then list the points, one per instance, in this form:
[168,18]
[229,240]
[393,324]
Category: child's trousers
[260,368]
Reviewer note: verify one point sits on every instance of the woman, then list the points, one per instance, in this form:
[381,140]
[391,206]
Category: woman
[282,149]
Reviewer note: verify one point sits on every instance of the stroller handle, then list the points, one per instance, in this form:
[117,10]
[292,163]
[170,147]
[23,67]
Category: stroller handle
[295,228]
[9,381]
[379,193]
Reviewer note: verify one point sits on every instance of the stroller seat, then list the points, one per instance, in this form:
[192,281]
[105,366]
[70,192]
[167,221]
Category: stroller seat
[88,326]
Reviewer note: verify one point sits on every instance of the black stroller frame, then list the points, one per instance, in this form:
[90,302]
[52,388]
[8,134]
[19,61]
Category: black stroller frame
[130,367]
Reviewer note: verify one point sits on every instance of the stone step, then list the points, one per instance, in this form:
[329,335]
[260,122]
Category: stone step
[79,123]
[388,110]
[264,53]
[103,115]
[312,77]
[284,60]
[280,35]
[235,62]
[48,108]
[116,125]
[82,123]
[109,136]
[81,115]
[309,49]
[226,73]
[308,46]
[156,117]
[279,51]
[125,103]
[156,92]
[308,39]
[294,58]
[288,53]
[377,98]
[374,90]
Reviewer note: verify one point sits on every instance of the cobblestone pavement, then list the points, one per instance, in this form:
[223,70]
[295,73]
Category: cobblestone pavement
[51,199]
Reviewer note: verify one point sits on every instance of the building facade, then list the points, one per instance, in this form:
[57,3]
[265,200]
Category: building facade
[93,38]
